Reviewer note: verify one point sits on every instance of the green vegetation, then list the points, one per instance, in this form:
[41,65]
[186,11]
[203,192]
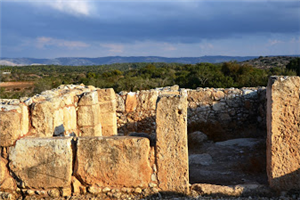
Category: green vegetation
[294,65]
[140,76]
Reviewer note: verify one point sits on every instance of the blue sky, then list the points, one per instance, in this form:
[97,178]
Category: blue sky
[170,28]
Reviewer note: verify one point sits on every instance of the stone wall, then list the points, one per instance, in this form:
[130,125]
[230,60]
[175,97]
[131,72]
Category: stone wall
[63,142]
[220,113]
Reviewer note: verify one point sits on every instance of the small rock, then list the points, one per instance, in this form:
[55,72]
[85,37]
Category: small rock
[200,159]
[117,195]
[153,177]
[152,185]
[30,192]
[138,190]
[54,193]
[196,138]
[94,190]
[106,189]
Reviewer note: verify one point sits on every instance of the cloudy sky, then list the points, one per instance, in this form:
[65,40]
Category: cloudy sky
[170,28]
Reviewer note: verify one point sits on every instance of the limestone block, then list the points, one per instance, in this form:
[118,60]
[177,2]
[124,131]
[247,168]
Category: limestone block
[109,130]
[107,94]
[6,181]
[10,127]
[148,99]
[91,130]
[171,145]
[43,116]
[24,119]
[88,115]
[283,127]
[42,162]
[131,102]
[88,99]
[108,106]
[108,118]
[113,161]
[70,118]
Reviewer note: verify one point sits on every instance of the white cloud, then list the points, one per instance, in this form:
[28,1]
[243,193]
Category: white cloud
[74,7]
[42,42]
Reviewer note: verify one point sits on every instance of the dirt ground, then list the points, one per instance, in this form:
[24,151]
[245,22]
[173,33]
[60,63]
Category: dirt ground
[17,86]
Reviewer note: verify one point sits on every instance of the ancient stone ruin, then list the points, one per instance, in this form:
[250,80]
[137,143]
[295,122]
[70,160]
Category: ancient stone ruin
[74,140]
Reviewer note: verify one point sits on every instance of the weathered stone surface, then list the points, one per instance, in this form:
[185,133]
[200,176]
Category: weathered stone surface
[10,125]
[88,115]
[109,130]
[6,181]
[108,107]
[91,130]
[113,161]
[70,119]
[107,118]
[42,162]
[283,138]
[43,116]
[24,119]
[171,145]
[88,99]
[131,102]
[106,94]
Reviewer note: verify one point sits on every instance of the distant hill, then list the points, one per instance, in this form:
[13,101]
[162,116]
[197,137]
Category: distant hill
[266,62]
[78,61]
[262,62]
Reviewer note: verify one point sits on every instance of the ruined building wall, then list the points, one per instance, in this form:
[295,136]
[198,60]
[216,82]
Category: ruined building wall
[220,113]
[64,142]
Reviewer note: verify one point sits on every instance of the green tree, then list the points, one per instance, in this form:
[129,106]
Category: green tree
[294,65]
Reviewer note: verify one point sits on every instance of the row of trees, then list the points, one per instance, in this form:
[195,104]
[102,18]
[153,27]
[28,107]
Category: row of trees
[139,76]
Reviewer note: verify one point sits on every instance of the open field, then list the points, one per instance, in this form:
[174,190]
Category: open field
[17,86]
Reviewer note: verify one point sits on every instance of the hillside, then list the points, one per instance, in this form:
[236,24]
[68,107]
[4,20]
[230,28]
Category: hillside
[267,62]
[77,61]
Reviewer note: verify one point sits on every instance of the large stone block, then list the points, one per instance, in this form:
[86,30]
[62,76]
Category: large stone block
[91,130]
[106,94]
[42,162]
[131,102]
[108,118]
[108,106]
[88,99]
[113,161]
[10,126]
[70,118]
[283,138]
[109,130]
[88,115]
[44,117]
[171,145]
